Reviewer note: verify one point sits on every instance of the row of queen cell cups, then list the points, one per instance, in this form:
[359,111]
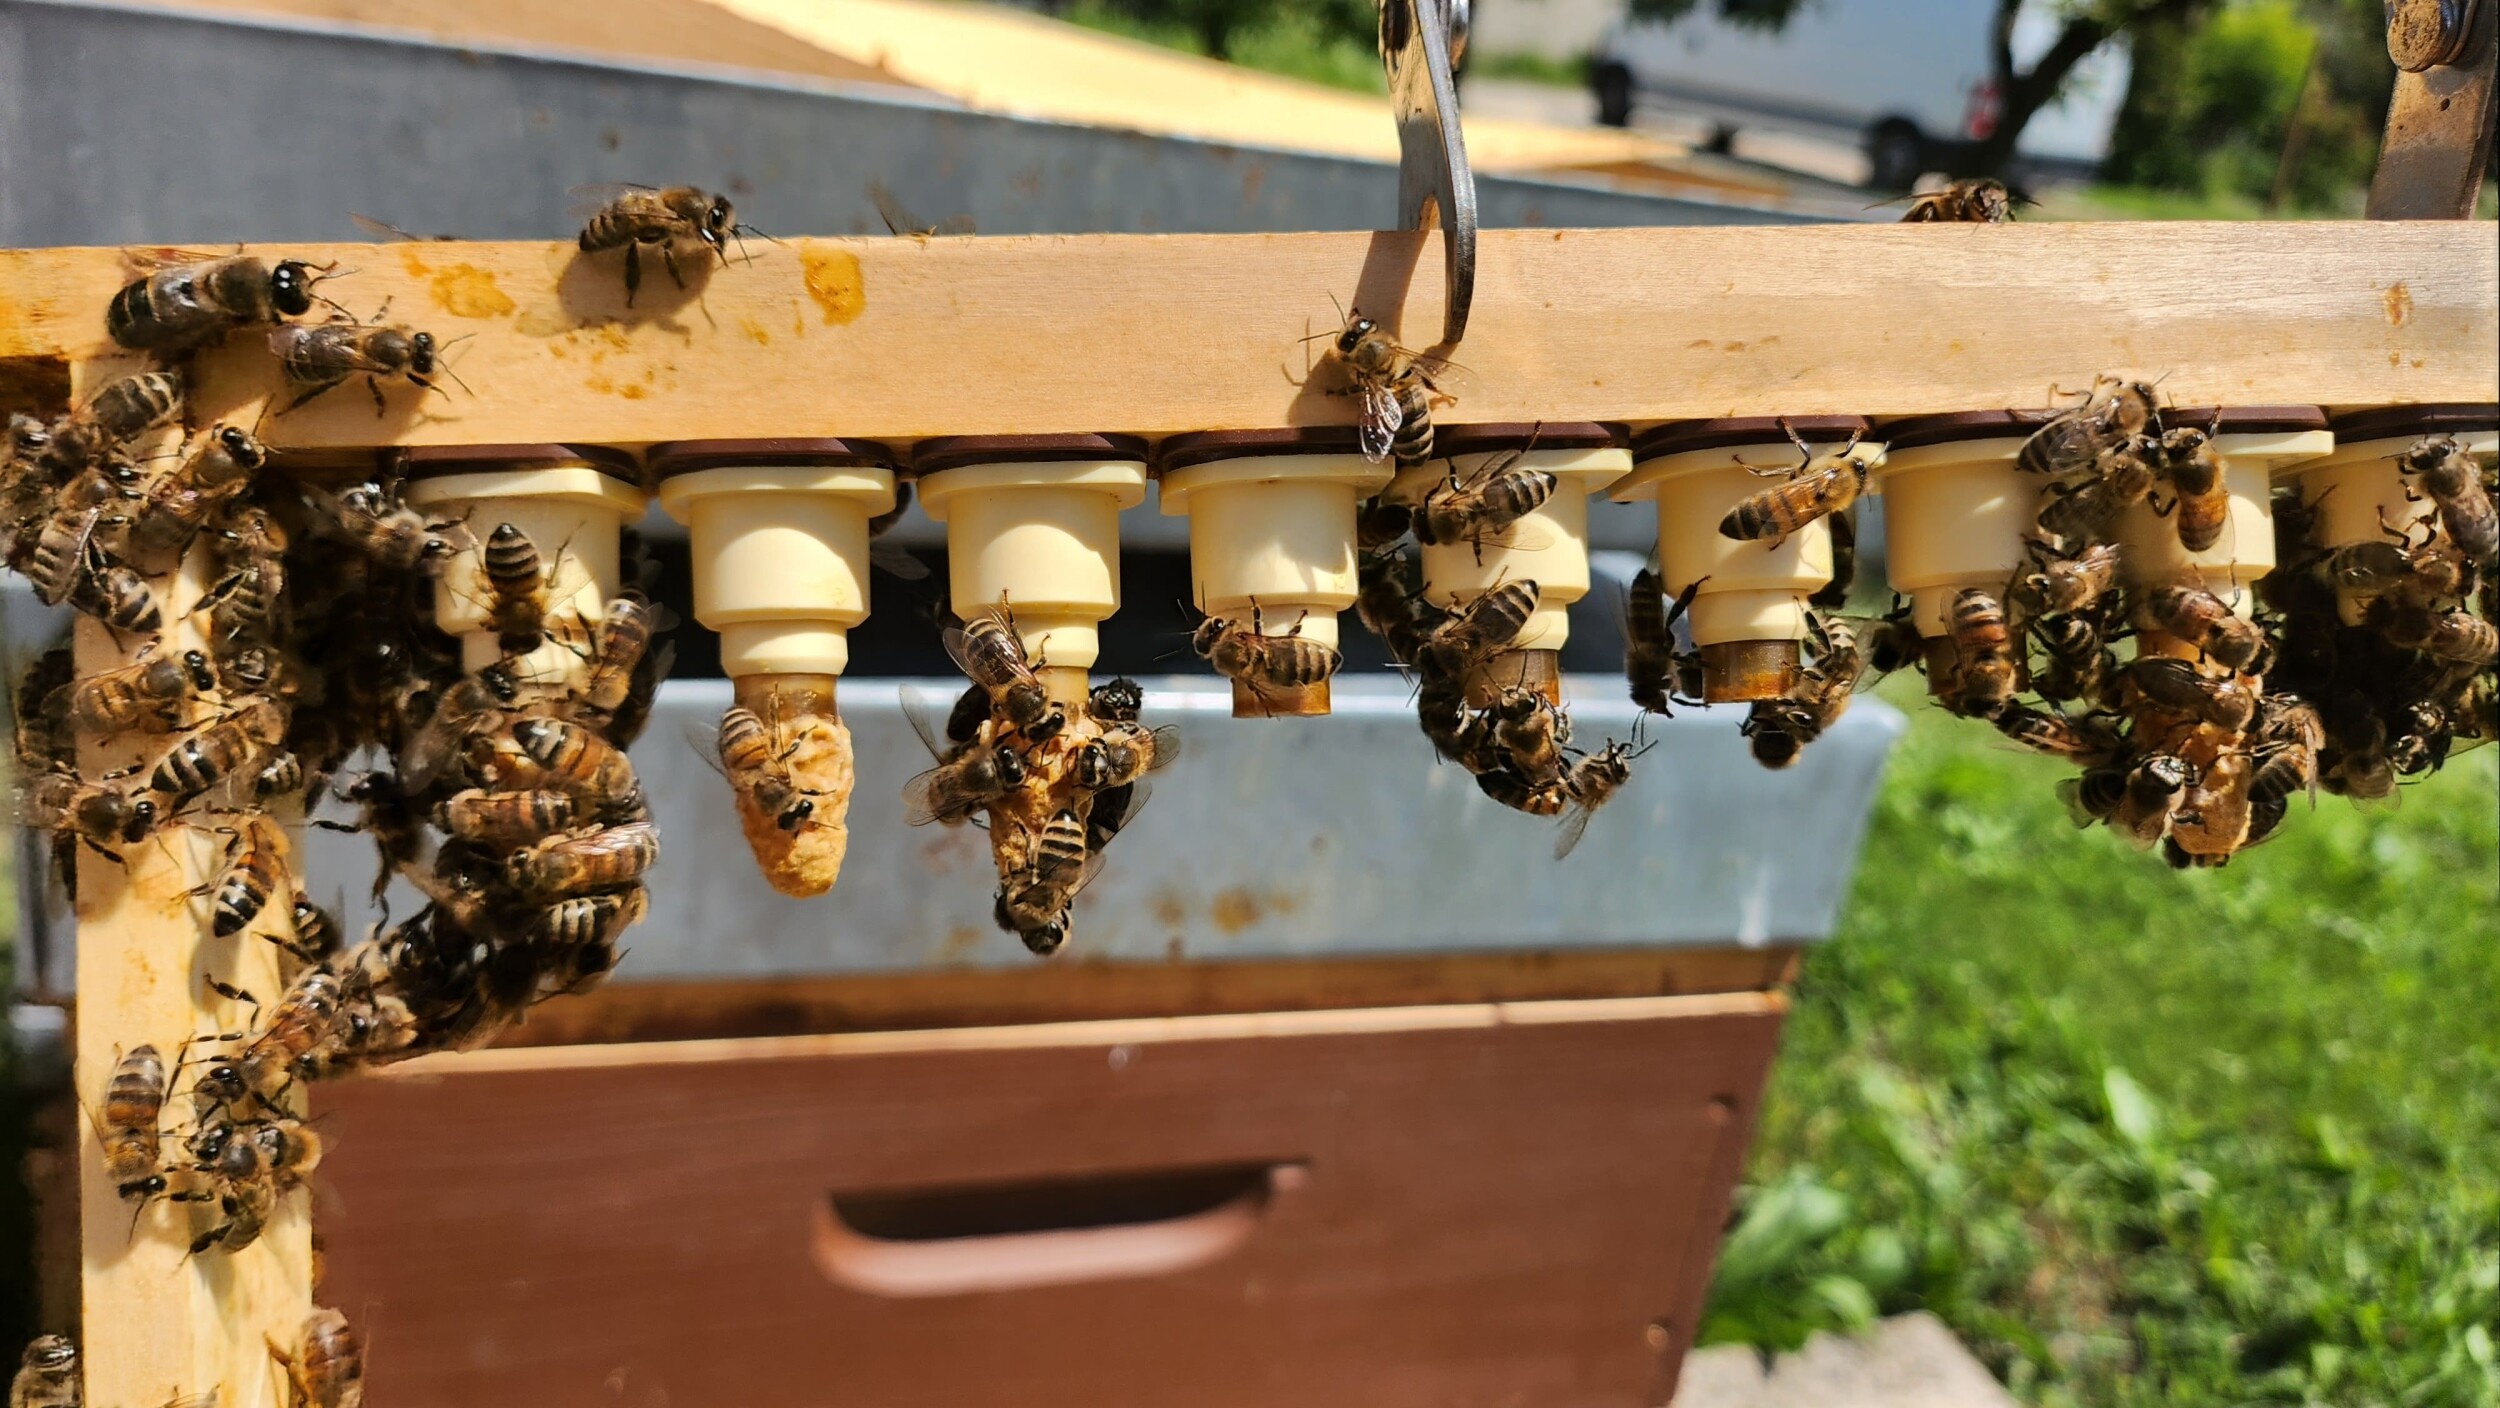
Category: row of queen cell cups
[780,528]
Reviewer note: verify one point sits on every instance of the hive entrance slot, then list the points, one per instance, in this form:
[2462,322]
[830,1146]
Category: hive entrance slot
[1053,1205]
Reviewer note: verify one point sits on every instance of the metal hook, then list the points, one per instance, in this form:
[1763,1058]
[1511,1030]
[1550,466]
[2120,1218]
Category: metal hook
[1420,42]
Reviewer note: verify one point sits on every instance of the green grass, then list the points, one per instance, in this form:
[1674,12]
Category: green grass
[1522,66]
[1291,45]
[2143,1137]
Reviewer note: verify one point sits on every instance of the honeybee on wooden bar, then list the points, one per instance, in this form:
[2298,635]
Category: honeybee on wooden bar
[255,870]
[130,1124]
[987,649]
[179,504]
[147,694]
[1985,650]
[668,221]
[48,1375]
[328,1369]
[99,815]
[2195,472]
[120,410]
[245,1167]
[2177,685]
[1984,201]
[248,601]
[2197,617]
[224,747]
[1396,388]
[1481,507]
[319,357]
[1776,512]
[1241,650]
[2454,481]
[177,308]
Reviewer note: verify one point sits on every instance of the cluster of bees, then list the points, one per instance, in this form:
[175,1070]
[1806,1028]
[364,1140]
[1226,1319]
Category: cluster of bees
[326,1369]
[2197,742]
[1053,783]
[1511,735]
[308,670]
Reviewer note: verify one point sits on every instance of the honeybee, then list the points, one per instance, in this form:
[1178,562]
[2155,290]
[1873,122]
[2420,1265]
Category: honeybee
[1592,782]
[1833,595]
[1476,630]
[2078,664]
[1984,650]
[1389,602]
[1649,656]
[1396,387]
[1033,902]
[1458,733]
[246,1167]
[1117,700]
[1530,731]
[1776,512]
[1379,525]
[2212,824]
[120,410]
[119,597]
[233,743]
[516,590]
[759,767]
[319,357]
[2195,473]
[175,309]
[178,505]
[48,1375]
[2458,636]
[988,650]
[576,759]
[328,1370]
[2452,479]
[469,708]
[1480,507]
[2113,412]
[147,694]
[2090,738]
[392,534]
[1124,753]
[128,1128]
[1981,202]
[2067,584]
[509,819]
[1778,730]
[2179,686]
[98,814]
[2123,476]
[2199,618]
[565,866]
[2365,569]
[592,921]
[1244,651]
[63,555]
[667,221]
[255,870]
[2136,801]
[311,1023]
[248,600]
[315,936]
[1892,641]
[616,654]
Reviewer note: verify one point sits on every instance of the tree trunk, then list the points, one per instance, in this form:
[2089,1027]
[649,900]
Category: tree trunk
[2021,95]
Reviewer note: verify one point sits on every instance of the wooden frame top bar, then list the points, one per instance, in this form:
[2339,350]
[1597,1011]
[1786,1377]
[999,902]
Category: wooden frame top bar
[901,338]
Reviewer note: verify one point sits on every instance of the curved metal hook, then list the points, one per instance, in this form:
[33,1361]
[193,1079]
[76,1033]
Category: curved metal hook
[1420,40]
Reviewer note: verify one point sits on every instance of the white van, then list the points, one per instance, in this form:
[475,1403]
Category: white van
[1908,78]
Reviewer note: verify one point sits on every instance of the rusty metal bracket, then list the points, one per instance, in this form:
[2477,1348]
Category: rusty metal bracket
[1420,42]
[2440,122]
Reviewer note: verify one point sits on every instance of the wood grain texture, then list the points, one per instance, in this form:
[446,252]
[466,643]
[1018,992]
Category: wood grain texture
[1479,1213]
[904,338]
[625,1011]
[157,1322]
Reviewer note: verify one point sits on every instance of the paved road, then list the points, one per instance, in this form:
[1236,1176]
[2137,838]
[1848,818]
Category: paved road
[1909,1361]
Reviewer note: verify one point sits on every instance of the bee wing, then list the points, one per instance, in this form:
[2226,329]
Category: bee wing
[958,648]
[1167,746]
[384,230]
[897,561]
[956,225]
[591,197]
[1519,534]
[920,797]
[1575,824]
[1378,428]
[919,708]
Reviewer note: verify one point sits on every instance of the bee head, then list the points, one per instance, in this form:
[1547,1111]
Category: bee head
[421,354]
[719,220]
[290,287]
[141,820]
[52,1352]
[1357,328]
[195,667]
[241,447]
[1210,630]
[1011,770]
[796,814]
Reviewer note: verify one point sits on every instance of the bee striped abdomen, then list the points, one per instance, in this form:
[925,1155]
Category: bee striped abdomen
[1413,444]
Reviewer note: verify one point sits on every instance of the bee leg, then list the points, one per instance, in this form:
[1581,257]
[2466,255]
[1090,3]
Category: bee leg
[668,257]
[308,395]
[633,271]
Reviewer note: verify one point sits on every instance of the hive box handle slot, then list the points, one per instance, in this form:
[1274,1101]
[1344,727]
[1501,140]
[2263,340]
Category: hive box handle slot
[1004,1237]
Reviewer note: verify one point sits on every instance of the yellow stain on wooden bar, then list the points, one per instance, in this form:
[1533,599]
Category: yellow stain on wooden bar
[834,281]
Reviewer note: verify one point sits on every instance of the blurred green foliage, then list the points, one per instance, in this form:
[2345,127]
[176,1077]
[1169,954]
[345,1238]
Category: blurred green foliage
[1304,38]
[2144,1137]
[2275,101]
